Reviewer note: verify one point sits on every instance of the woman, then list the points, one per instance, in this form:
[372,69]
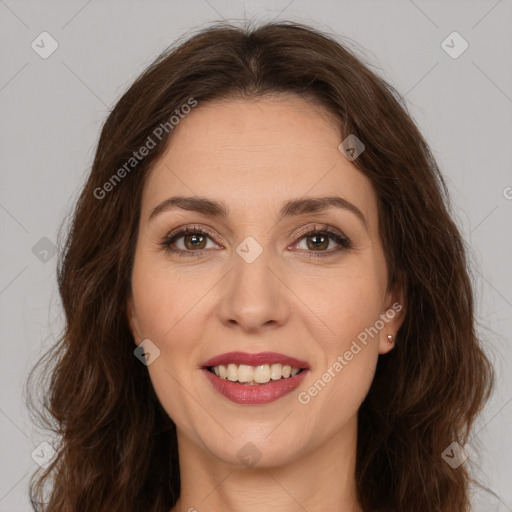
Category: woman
[267,302]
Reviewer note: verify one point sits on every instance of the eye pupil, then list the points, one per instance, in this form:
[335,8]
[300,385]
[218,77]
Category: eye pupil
[321,244]
[195,243]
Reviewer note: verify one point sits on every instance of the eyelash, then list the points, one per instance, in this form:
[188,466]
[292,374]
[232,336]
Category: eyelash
[343,242]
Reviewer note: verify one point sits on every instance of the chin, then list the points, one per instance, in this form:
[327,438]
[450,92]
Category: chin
[255,451]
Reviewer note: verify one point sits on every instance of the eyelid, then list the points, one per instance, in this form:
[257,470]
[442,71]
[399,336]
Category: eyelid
[318,227]
[181,230]
[343,241]
[192,228]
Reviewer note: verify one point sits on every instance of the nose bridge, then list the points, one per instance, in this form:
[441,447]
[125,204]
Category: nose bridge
[253,295]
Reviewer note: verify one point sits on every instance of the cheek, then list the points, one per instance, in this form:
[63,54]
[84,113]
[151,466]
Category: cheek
[342,380]
[345,305]
[167,299]
[167,310]
[346,312]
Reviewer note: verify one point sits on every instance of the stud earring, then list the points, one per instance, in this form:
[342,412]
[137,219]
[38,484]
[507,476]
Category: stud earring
[390,338]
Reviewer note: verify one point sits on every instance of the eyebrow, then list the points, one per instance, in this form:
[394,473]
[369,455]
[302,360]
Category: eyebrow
[290,208]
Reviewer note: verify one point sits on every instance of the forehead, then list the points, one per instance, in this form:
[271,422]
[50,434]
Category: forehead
[255,153]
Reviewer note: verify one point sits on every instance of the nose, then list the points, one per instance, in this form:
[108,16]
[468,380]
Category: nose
[254,296]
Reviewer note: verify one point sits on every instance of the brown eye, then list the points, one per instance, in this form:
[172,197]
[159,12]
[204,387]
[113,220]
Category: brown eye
[319,241]
[189,241]
[194,241]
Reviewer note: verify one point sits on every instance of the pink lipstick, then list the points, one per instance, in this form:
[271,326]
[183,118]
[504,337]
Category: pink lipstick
[251,383]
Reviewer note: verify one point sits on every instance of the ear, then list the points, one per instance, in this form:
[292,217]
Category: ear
[393,314]
[133,320]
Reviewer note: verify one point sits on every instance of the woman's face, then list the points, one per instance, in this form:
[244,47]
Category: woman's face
[260,282]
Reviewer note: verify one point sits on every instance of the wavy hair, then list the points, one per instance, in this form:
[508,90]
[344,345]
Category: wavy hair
[116,447]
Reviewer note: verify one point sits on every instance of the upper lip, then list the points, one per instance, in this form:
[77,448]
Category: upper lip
[255,359]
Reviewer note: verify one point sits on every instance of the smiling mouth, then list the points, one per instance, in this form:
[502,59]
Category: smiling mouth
[254,375]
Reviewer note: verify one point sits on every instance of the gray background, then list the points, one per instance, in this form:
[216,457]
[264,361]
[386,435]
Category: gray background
[52,110]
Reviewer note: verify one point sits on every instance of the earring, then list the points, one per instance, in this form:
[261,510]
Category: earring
[390,339]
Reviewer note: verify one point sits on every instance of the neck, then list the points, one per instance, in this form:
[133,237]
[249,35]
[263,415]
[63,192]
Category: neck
[322,479]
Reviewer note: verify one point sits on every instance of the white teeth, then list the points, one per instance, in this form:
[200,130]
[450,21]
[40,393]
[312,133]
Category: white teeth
[262,374]
[255,374]
[245,373]
[276,371]
[232,372]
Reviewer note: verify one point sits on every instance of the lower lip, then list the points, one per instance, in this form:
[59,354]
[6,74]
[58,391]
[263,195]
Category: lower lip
[255,394]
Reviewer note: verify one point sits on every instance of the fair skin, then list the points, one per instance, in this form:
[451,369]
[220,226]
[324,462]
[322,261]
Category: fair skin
[253,156]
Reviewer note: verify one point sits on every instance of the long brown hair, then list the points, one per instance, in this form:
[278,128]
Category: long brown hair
[116,447]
